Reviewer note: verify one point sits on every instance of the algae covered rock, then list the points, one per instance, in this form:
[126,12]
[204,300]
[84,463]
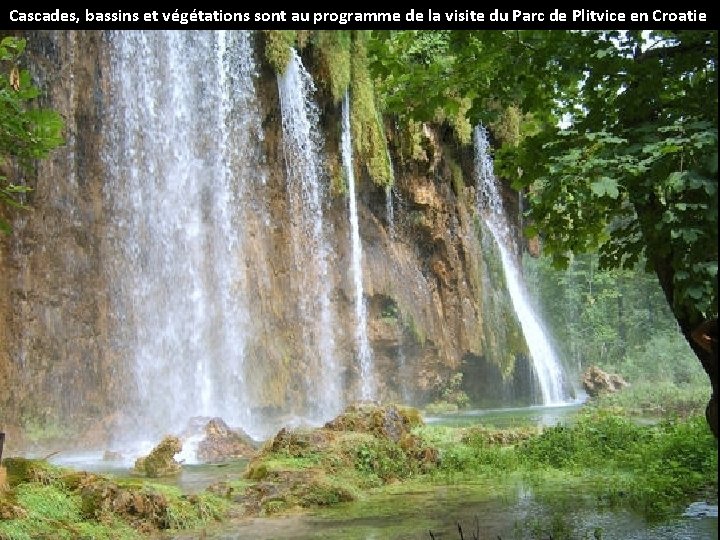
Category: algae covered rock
[389,421]
[161,461]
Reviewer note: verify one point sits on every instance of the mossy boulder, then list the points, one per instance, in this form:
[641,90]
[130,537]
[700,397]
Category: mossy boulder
[364,447]
[161,461]
[142,508]
[387,421]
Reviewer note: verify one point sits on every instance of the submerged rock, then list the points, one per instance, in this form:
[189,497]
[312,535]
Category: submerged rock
[161,461]
[595,381]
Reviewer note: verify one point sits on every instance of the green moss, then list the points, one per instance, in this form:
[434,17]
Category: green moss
[413,141]
[21,470]
[338,177]
[506,128]
[278,45]
[416,331]
[368,134]
[456,176]
[333,48]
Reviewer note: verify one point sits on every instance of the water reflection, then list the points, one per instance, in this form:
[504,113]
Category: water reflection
[537,415]
[488,511]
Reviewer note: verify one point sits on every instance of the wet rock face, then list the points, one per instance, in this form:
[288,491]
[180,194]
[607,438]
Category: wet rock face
[58,326]
[595,381]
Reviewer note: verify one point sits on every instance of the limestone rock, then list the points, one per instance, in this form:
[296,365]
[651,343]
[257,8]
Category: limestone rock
[222,443]
[161,461]
[595,381]
[390,421]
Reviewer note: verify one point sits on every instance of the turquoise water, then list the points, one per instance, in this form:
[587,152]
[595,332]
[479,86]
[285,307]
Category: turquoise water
[509,417]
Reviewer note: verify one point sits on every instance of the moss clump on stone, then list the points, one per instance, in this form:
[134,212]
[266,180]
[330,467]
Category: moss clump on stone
[21,470]
[278,46]
[365,447]
[161,461]
[368,133]
[333,50]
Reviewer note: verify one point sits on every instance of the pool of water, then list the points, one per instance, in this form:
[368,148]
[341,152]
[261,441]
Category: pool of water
[487,511]
[191,479]
[538,415]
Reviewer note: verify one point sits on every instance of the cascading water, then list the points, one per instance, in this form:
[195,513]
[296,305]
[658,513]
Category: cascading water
[546,366]
[179,153]
[303,165]
[364,352]
[390,212]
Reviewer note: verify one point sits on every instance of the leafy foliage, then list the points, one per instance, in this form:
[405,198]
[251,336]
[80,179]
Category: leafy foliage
[27,133]
[635,173]
[616,137]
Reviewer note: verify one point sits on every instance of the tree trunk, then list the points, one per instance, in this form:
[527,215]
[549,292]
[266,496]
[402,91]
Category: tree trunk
[690,321]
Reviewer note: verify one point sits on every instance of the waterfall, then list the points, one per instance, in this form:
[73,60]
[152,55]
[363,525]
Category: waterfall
[546,366]
[364,352]
[302,144]
[390,212]
[178,157]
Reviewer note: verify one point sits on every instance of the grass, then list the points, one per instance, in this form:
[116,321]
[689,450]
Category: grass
[49,502]
[659,399]
[604,454]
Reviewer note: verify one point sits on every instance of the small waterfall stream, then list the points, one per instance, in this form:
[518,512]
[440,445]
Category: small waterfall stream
[302,146]
[546,366]
[364,352]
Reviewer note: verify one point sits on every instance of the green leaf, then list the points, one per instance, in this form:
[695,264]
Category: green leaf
[605,187]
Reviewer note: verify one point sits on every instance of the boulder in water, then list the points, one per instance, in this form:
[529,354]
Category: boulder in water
[222,443]
[390,421]
[161,461]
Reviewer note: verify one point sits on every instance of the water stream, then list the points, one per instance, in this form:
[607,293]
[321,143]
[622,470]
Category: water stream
[547,367]
[364,351]
[302,147]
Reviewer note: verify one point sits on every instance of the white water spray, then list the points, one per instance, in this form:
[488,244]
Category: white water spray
[180,150]
[365,356]
[302,146]
[545,363]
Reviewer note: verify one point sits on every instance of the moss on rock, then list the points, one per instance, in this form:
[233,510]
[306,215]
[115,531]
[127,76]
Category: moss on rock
[161,461]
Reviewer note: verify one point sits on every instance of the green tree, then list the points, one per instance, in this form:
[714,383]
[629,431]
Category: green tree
[630,173]
[27,132]
[635,174]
